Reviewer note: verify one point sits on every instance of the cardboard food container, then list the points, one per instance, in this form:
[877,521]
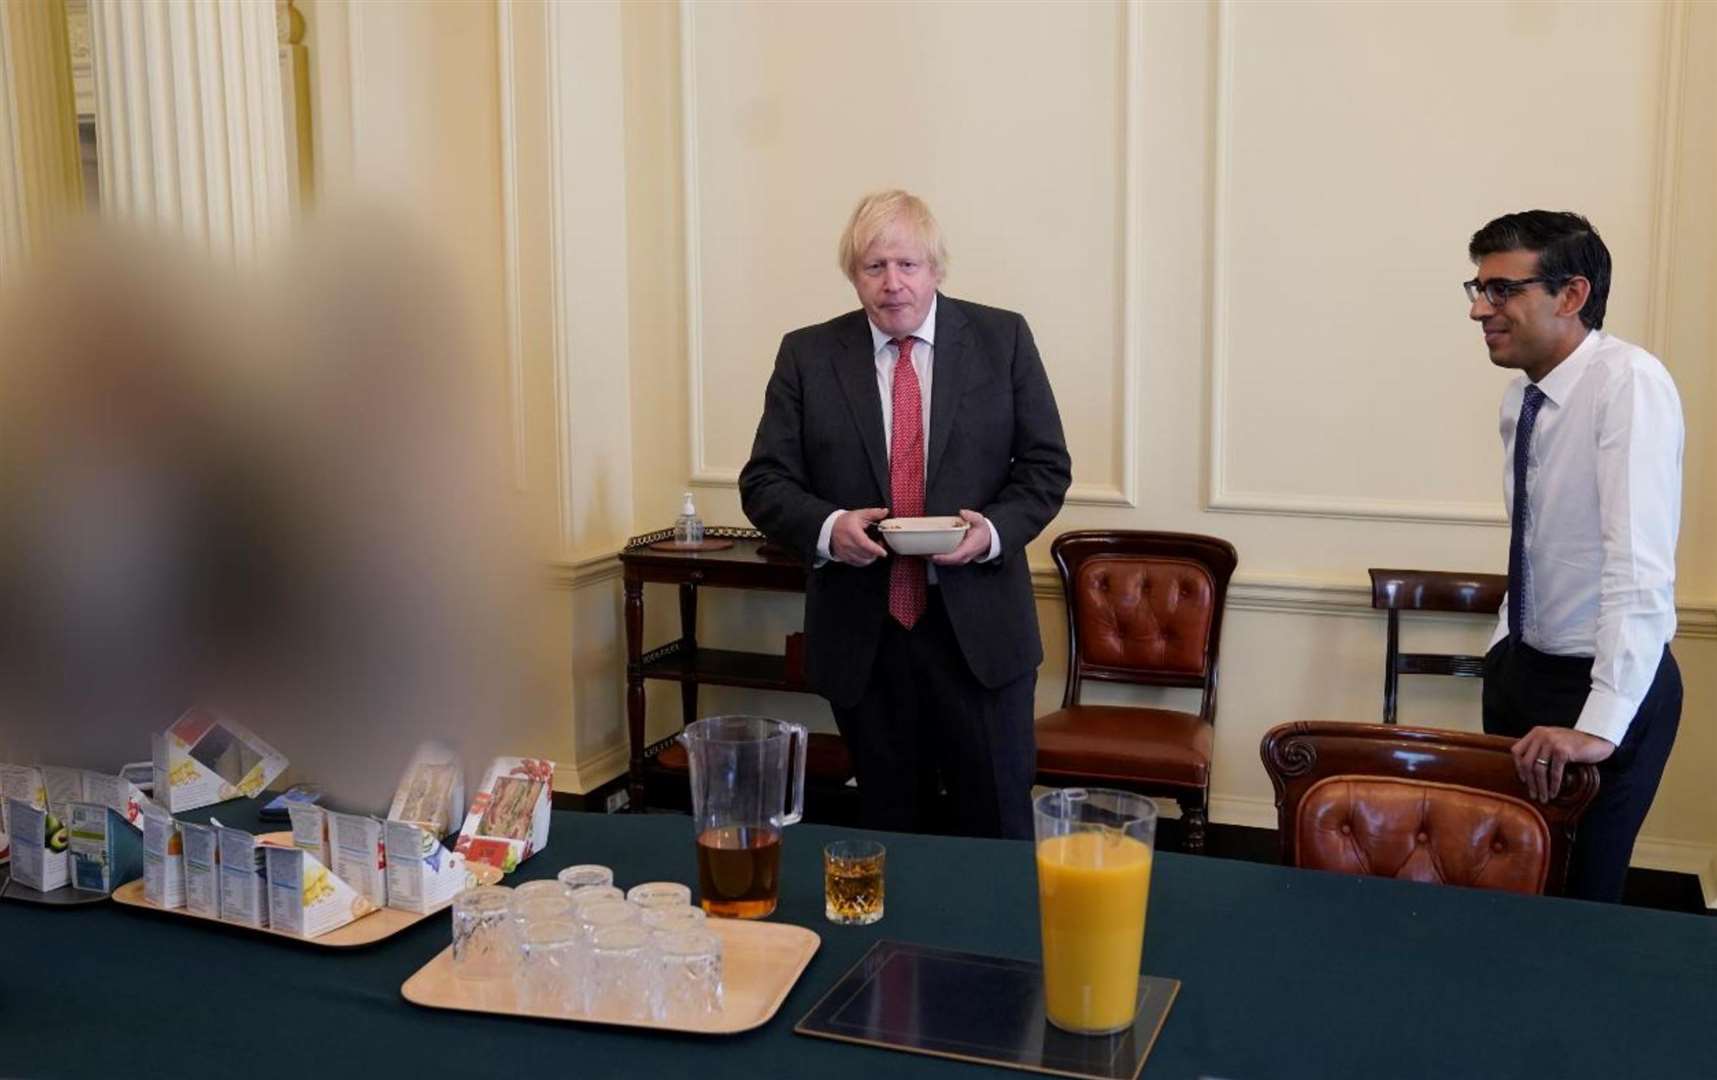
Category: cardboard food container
[305,898]
[205,758]
[106,850]
[432,792]
[117,793]
[163,859]
[62,787]
[23,782]
[422,874]
[244,878]
[357,854]
[310,830]
[40,859]
[509,817]
[202,869]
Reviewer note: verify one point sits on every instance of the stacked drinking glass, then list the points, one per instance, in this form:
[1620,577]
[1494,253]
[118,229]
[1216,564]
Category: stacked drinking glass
[576,946]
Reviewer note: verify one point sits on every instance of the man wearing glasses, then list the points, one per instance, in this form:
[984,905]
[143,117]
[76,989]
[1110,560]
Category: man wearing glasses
[1579,669]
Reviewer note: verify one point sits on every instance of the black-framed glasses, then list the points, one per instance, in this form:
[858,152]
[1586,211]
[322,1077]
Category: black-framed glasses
[1496,291]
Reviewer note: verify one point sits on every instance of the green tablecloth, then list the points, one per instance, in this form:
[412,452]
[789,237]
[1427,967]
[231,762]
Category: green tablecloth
[1285,973]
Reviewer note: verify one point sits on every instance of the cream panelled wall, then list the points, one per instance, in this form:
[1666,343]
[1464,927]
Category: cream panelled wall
[1238,230]
[1347,170]
[792,111]
[486,126]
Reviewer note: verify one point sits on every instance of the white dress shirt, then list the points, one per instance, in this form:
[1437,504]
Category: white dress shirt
[1603,480]
[923,357]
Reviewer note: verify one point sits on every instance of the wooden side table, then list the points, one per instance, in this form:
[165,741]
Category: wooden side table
[748,564]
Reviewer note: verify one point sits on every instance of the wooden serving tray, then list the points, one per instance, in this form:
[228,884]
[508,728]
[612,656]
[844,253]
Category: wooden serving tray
[760,963]
[376,926]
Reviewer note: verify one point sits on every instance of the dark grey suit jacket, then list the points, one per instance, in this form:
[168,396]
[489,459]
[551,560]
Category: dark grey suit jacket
[995,446]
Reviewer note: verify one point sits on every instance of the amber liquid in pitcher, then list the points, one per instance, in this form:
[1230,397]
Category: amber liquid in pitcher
[739,870]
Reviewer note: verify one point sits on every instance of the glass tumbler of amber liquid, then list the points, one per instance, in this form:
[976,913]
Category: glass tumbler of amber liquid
[852,882]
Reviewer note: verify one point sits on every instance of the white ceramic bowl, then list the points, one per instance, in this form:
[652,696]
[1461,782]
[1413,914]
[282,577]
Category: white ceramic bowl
[923,535]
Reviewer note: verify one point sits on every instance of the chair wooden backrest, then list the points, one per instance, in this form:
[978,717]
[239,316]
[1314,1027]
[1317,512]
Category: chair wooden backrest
[1144,608]
[1396,591]
[1443,806]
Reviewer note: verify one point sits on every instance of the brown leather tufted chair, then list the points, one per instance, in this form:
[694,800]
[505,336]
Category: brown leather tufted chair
[1420,804]
[1143,608]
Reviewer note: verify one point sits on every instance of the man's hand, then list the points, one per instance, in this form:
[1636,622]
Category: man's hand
[975,546]
[1542,754]
[848,542]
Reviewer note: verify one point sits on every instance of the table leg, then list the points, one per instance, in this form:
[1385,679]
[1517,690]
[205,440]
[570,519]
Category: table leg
[689,645]
[634,589]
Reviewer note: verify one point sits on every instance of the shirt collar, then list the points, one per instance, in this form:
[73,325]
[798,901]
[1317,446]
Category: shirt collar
[1562,378]
[925,333]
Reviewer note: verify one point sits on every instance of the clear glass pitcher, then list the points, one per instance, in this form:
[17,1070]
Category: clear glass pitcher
[1094,850]
[742,770]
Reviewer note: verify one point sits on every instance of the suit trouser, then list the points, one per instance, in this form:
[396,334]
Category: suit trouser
[926,725]
[1525,688]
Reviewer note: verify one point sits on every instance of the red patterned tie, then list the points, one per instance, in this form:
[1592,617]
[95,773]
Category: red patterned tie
[906,590]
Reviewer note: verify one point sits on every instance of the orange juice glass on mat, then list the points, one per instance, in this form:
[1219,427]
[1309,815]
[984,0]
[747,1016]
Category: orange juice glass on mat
[1093,881]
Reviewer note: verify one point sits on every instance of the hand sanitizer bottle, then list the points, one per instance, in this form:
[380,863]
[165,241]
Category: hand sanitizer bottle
[689,528]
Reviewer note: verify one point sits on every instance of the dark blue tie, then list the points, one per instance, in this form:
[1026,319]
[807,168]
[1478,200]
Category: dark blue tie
[1517,521]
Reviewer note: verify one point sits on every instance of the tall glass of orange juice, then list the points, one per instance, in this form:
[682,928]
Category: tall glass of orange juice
[1093,881]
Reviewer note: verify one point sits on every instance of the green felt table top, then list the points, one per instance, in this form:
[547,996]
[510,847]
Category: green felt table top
[1285,973]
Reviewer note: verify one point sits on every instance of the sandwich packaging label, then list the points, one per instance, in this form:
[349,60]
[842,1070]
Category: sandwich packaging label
[205,758]
[244,879]
[422,874]
[307,899]
[310,829]
[23,782]
[202,869]
[163,859]
[106,851]
[39,842]
[358,855]
[509,817]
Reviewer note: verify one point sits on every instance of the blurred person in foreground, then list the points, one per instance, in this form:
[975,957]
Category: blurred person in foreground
[917,404]
[1579,668]
[267,492]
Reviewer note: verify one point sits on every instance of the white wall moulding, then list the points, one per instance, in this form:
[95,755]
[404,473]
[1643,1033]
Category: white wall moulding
[510,239]
[1281,593]
[1667,163]
[1373,404]
[583,573]
[295,93]
[190,120]
[41,184]
[1122,490]
[589,287]
[1294,595]
[597,769]
[1681,857]
[558,269]
[1426,511]
[1240,810]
